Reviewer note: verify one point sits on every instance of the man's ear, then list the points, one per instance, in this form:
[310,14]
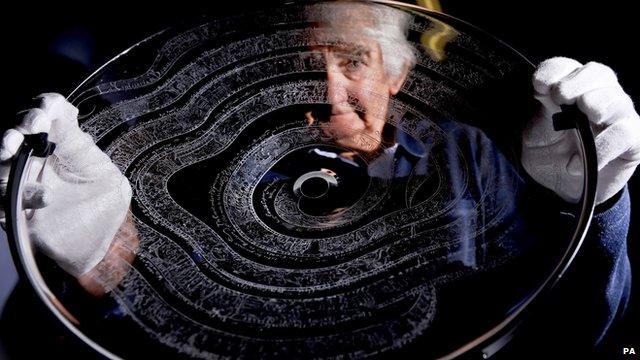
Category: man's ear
[396,81]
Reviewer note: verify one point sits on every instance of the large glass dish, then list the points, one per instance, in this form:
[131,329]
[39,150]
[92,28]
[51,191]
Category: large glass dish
[314,180]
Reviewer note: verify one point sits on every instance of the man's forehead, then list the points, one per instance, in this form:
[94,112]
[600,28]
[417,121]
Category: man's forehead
[347,41]
[345,47]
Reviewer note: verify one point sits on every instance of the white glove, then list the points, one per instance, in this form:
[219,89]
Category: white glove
[553,158]
[80,195]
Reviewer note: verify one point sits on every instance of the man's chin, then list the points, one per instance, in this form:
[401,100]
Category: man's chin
[345,116]
[359,142]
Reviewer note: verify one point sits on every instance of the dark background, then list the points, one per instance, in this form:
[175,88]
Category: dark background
[54,47]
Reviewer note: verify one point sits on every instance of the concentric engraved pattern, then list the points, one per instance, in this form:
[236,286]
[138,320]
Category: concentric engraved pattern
[230,262]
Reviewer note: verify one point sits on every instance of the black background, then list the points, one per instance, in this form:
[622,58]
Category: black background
[37,40]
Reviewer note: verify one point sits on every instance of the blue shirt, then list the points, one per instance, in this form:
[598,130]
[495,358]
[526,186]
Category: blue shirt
[594,292]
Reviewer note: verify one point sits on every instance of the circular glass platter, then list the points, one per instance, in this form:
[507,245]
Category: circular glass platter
[313,180]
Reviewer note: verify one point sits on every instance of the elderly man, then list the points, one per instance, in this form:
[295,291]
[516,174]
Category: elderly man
[367,63]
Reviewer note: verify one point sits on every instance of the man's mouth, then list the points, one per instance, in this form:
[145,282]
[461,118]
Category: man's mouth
[341,110]
[326,115]
[345,111]
[347,120]
[343,114]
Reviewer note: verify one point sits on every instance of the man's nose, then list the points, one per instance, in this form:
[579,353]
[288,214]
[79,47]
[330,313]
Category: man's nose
[337,93]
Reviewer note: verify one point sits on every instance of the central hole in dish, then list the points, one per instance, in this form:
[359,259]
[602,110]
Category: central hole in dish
[314,187]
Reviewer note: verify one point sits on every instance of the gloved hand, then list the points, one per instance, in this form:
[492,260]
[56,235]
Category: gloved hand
[81,198]
[553,158]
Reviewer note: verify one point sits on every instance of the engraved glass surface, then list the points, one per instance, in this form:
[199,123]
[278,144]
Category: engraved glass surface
[313,181]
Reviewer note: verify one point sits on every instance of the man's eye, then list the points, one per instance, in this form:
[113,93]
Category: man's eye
[354,65]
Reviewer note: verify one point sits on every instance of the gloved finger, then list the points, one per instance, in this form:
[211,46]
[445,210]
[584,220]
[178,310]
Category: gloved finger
[63,115]
[587,78]
[34,121]
[605,105]
[618,140]
[548,105]
[74,148]
[550,71]
[539,131]
[615,144]
[613,177]
[35,196]
[632,155]
[11,142]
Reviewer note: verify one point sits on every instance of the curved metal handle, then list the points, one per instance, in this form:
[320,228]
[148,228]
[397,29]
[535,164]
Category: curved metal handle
[37,145]
[11,204]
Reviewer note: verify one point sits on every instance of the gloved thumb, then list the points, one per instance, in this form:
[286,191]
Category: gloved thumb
[36,196]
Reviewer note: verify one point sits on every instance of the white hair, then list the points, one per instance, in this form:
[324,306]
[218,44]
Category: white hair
[387,25]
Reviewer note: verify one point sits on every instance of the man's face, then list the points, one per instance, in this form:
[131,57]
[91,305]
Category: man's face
[358,89]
